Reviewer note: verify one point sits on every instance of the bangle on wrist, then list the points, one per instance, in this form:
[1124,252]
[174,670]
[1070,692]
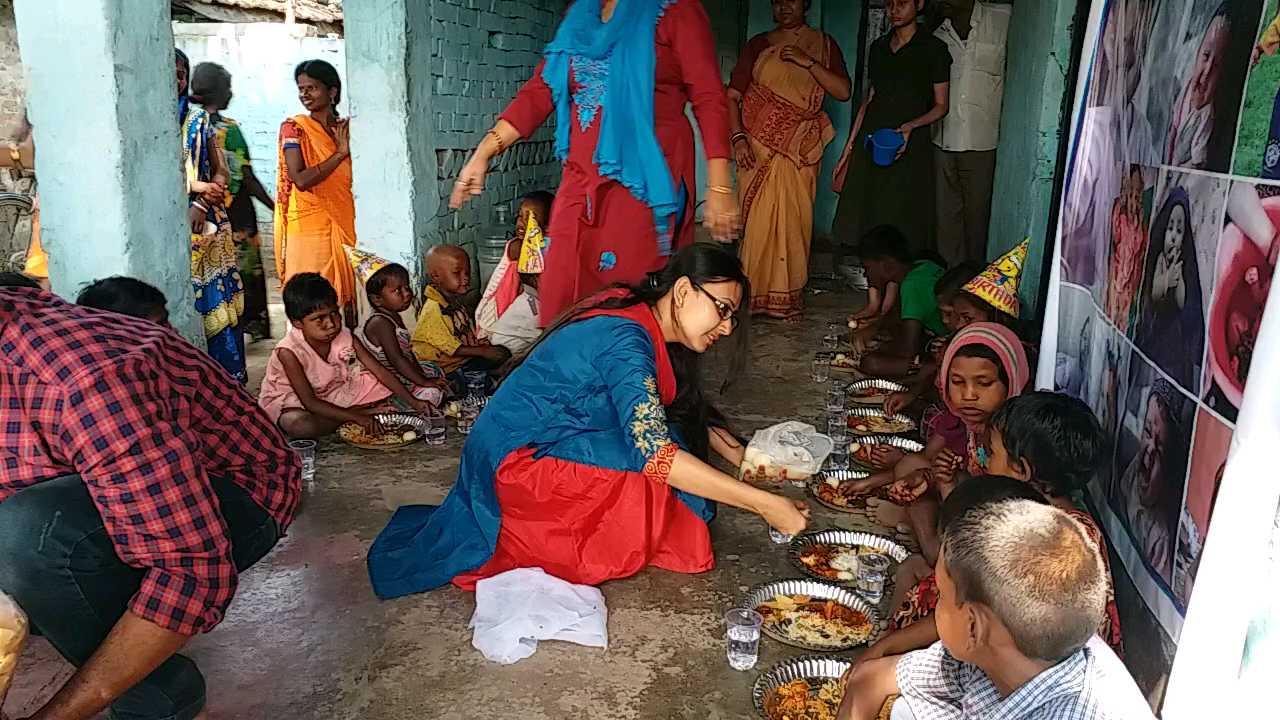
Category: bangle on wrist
[734,138]
[497,140]
[722,189]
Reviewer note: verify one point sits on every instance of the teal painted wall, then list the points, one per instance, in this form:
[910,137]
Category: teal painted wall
[1031,129]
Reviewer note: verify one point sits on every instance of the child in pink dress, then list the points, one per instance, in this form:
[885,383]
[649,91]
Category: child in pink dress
[320,376]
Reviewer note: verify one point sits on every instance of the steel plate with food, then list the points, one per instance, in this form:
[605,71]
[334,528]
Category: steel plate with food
[832,555]
[874,421]
[862,449]
[394,430]
[874,391]
[832,489]
[802,688]
[813,615]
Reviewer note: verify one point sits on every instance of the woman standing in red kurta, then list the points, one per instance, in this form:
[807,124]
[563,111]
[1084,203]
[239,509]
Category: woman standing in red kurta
[617,76]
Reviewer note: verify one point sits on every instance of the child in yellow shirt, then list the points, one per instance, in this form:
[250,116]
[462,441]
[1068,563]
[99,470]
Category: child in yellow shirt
[446,334]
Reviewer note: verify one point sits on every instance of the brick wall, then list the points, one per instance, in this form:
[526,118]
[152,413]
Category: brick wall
[483,52]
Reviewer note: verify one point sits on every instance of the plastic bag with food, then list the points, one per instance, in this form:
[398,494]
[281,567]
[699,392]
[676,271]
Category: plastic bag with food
[13,635]
[787,451]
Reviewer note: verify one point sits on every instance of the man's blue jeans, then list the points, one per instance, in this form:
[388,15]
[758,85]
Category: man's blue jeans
[58,563]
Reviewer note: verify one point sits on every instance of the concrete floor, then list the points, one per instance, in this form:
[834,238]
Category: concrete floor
[305,637]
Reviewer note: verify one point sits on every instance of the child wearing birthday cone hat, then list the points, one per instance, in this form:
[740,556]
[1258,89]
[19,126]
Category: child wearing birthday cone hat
[991,296]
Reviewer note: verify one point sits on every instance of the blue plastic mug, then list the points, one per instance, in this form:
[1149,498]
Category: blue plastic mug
[884,144]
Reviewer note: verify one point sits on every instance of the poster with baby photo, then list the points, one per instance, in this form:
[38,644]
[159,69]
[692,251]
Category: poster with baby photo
[1197,57]
[1097,177]
[1077,315]
[1258,139]
[1208,461]
[1178,273]
[1127,231]
[1117,76]
[1151,465]
[1246,264]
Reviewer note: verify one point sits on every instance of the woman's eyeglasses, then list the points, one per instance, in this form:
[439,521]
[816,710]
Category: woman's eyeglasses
[723,309]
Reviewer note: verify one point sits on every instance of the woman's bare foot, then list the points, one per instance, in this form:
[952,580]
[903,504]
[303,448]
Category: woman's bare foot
[886,513]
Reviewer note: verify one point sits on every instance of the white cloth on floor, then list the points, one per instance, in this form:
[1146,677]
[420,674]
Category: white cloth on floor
[517,608]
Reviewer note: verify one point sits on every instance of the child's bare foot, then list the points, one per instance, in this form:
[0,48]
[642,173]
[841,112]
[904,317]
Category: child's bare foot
[886,513]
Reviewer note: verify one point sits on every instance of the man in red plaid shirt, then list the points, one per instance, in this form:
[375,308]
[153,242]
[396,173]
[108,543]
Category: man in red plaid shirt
[137,478]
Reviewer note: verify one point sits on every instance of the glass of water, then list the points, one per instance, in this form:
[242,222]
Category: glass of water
[837,424]
[477,382]
[835,398]
[743,635]
[468,411]
[435,429]
[306,450]
[778,537]
[873,571]
[821,368]
[839,458]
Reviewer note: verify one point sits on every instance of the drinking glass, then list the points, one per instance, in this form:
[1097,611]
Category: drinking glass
[306,450]
[468,411]
[835,398]
[839,458]
[435,430]
[830,342]
[821,369]
[837,331]
[743,635]
[477,382]
[778,537]
[837,425]
[873,570]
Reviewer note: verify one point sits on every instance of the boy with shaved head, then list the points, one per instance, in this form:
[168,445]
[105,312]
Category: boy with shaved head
[1021,592]
[445,334]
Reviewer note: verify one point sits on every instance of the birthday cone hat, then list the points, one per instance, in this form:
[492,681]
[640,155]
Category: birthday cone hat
[531,248]
[998,284]
[364,264]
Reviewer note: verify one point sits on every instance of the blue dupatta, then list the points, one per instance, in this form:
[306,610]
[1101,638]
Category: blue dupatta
[618,60]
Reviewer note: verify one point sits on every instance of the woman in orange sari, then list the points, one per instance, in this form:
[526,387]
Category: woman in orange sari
[315,216]
[780,131]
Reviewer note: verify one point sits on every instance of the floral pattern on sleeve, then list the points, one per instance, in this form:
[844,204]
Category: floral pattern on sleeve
[648,427]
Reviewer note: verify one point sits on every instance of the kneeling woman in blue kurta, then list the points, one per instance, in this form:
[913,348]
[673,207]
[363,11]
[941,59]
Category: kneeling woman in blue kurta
[574,467]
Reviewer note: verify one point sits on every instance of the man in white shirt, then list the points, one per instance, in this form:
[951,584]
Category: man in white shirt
[976,33]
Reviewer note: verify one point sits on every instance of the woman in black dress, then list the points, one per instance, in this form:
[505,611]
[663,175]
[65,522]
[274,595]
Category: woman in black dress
[909,72]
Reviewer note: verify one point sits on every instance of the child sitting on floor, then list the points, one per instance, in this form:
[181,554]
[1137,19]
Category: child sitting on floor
[887,257]
[390,293]
[445,334]
[1049,441]
[126,296]
[1021,591]
[508,311]
[966,296]
[320,376]
[984,366]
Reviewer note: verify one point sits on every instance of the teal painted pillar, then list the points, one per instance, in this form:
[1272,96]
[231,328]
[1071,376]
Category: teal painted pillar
[1030,131]
[103,104]
[388,50]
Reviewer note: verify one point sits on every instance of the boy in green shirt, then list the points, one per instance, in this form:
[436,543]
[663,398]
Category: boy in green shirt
[887,257]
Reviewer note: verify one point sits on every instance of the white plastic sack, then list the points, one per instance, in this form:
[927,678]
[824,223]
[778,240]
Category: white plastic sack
[787,451]
[13,635]
[516,609]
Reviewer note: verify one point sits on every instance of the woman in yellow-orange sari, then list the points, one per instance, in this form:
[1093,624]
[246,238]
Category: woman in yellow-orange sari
[780,131]
[315,213]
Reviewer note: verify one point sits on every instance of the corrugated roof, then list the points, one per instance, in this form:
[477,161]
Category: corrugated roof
[309,11]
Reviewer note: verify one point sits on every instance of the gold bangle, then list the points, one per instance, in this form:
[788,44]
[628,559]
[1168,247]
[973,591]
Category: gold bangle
[722,189]
[497,139]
